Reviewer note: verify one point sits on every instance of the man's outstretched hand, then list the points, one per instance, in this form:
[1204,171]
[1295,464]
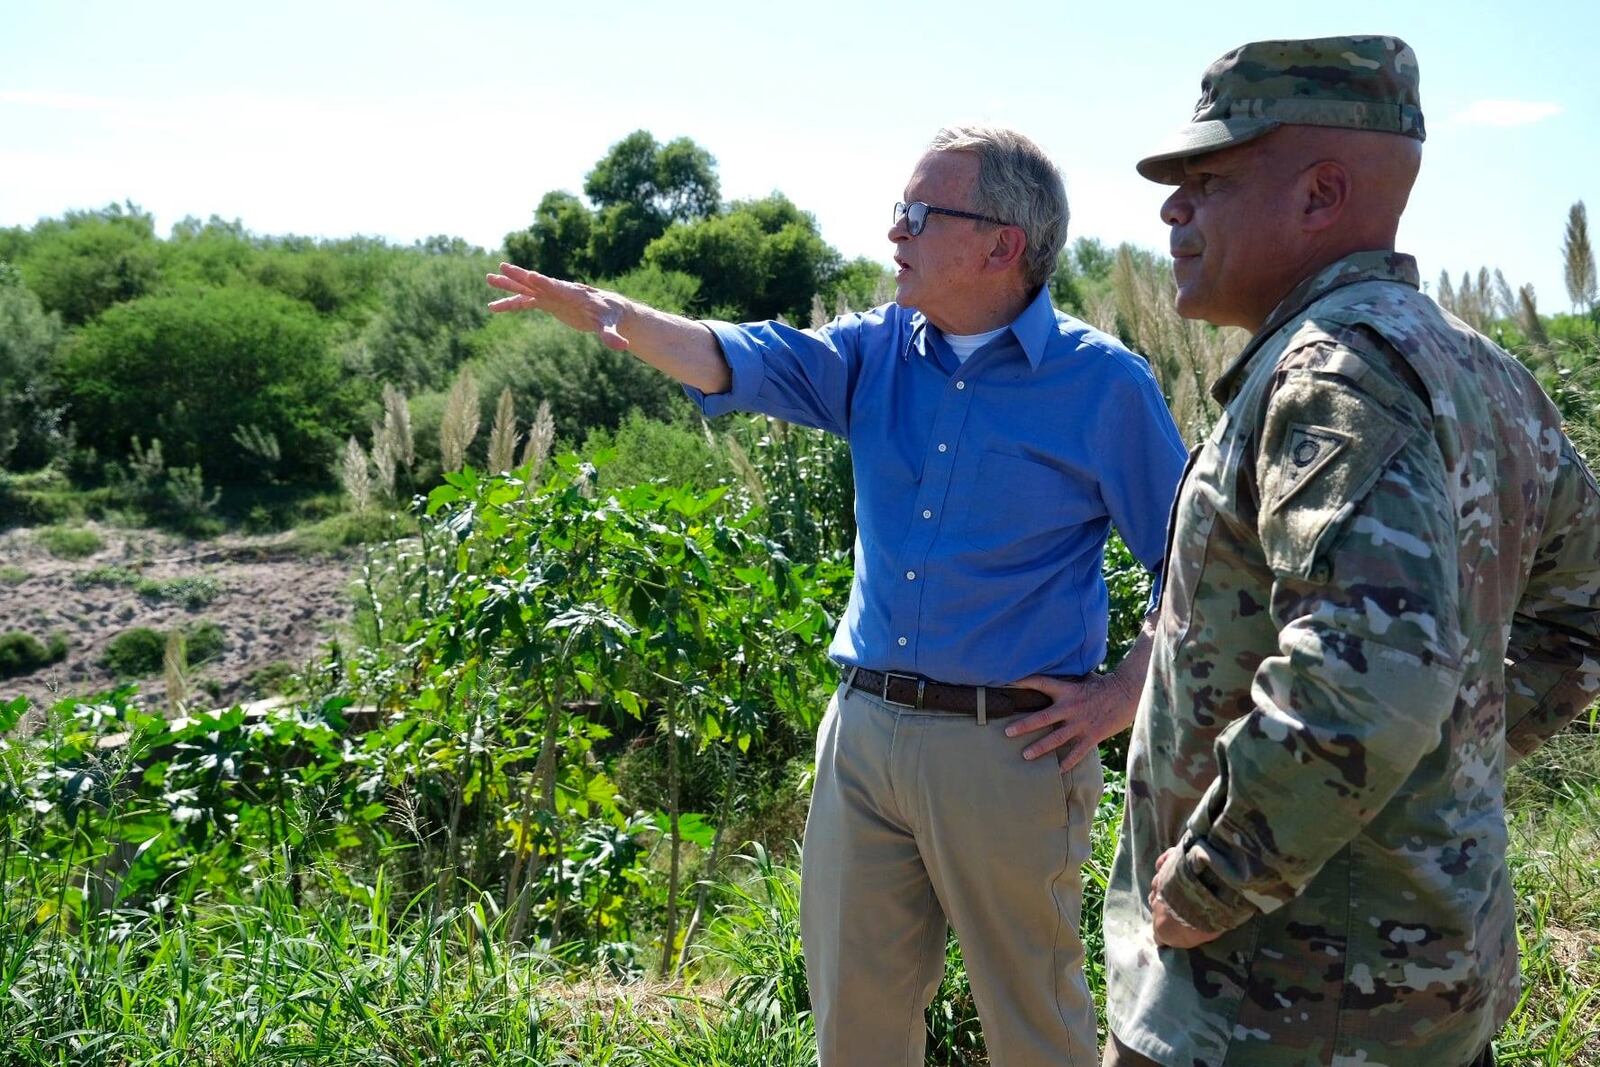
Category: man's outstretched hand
[582,307]
[685,349]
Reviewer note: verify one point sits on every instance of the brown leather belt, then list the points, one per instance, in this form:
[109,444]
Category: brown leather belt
[924,694]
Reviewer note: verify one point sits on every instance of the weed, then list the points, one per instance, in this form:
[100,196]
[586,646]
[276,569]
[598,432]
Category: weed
[135,653]
[69,542]
[22,653]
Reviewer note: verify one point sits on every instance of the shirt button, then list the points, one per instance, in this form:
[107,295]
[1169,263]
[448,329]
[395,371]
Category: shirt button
[943,447]
[902,642]
[911,576]
[927,514]
[961,385]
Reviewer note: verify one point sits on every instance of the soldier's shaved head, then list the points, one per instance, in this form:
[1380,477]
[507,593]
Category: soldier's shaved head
[1372,172]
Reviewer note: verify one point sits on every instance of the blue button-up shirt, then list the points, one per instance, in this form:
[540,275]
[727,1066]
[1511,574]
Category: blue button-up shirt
[984,490]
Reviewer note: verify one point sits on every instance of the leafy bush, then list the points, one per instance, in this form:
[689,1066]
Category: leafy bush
[195,365]
[418,338]
[587,384]
[92,260]
[68,542]
[203,642]
[22,653]
[141,651]
[30,423]
[646,450]
[135,653]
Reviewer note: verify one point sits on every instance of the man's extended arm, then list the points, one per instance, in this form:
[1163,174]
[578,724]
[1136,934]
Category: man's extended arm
[680,347]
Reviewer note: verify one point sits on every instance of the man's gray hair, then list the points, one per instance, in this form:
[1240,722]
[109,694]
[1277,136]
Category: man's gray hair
[1018,183]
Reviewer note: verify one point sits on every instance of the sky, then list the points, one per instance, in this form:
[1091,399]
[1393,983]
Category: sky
[405,120]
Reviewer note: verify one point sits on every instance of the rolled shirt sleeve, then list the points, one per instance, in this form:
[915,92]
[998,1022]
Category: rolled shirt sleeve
[801,376]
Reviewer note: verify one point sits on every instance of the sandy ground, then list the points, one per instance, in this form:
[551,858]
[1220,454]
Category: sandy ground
[275,606]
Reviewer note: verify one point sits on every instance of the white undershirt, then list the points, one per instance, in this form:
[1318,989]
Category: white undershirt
[964,344]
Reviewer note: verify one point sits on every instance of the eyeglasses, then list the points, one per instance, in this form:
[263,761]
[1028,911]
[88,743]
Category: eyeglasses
[916,215]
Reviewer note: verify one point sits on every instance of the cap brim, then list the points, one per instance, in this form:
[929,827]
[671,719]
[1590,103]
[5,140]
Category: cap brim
[1165,165]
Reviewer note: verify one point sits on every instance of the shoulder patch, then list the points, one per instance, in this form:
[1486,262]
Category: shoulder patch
[1324,444]
[1307,449]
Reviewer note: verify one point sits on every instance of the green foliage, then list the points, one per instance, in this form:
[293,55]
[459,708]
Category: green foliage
[803,481]
[30,421]
[193,591]
[419,336]
[193,366]
[859,284]
[639,188]
[22,653]
[10,574]
[558,242]
[587,384]
[644,449]
[759,259]
[135,653]
[68,542]
[665,182]
[139,652]
[1083,274]
[204,641]
[348,529]
[89,261]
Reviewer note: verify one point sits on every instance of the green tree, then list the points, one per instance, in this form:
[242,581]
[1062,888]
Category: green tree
[87,261]
[759,259]
[29,420]
[724,252]
[859,284]
[418,337]
[639,188]
[557,243]
[191,367]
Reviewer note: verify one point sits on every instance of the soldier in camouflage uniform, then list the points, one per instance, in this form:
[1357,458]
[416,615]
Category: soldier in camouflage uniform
[1381,590]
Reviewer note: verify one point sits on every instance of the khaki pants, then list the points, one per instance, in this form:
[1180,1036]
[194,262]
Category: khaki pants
[919,819]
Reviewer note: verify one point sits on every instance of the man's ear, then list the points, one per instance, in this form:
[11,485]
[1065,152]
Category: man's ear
[1325,190]
[1009,245]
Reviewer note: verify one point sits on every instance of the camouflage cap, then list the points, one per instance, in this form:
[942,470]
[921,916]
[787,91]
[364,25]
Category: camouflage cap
[1359,83]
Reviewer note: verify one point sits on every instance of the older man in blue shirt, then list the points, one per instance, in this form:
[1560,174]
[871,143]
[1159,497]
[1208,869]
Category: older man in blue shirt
[995,441]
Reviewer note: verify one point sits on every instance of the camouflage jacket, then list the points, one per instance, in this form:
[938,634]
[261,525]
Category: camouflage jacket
[1381,588]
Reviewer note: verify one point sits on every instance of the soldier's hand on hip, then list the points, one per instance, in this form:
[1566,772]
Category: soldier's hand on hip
[582,307]
[1085,712]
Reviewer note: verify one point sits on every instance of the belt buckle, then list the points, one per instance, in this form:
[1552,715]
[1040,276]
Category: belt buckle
[889,676]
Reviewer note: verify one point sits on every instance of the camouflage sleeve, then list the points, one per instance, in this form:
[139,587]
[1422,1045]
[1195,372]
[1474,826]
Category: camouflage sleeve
[1354,527]
[1553,659]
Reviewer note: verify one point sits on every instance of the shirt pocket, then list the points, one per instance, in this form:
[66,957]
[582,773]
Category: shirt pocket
[1014,500]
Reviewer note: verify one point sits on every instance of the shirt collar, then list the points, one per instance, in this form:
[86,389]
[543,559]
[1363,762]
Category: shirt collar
[1033,329]
[1378,266]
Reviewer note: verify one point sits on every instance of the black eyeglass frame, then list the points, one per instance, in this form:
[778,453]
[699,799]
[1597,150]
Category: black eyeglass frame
[916,221]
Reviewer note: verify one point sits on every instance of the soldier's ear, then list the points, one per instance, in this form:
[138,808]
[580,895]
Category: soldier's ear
[1325,189]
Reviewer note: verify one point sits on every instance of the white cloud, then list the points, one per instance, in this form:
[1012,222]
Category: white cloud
[1507,112]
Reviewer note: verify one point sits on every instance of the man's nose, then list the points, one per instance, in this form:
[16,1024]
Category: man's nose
[1176,209]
